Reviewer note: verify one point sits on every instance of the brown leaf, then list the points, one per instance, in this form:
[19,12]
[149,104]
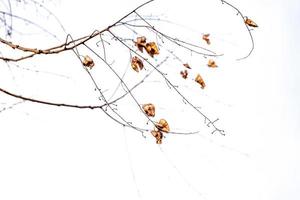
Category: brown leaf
[149,109]
[158,136]
[140,43]
[137,64]
[187,65]
[88,62]
[200,80]
[212,63]
[163,125]
[251,23]
[152,49]
[184,74]
[205,37]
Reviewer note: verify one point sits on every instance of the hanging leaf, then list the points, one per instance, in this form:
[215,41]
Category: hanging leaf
[205,37]
[136,64]
[184,74]
[251,23]
[149,109]
[141,43]
[200,80]
[212,63]
[88,62]
[152,49]
[187,66]
[163,125]
[158,136]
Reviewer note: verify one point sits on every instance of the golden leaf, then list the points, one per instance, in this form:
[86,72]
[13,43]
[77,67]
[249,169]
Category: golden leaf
[152,49]
[158,136]
[187,66]
[205,37]
[149,109]
[250,22]
[88,62]
[136,64]
[212,63]
[163,125]
[200,80]
[140,43]
[184,74]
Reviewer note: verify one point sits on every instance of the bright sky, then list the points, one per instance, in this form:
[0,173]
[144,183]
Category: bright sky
[59,153]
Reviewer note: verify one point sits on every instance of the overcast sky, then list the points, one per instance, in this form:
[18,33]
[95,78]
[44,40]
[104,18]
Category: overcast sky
[59,153]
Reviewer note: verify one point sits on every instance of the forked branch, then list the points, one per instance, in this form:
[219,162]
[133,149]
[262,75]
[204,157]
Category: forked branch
[107,105]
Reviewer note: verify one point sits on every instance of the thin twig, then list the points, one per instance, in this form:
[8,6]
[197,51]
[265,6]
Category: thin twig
[60,48]
[171,84]
[248,29]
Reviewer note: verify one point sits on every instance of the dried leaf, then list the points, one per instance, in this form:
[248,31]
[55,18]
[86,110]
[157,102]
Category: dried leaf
[158,136]
[184,74]
[163,125]
[251,23]
[137,64]
[200,80]
[212,63]
[88,62]
[152,49]
[140,43]
[149,109]
[187,66]
[205,37]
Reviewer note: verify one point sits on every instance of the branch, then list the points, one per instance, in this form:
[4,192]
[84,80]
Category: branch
[106,107]
[28,21]
[63,47]
[248,29]
[47,102]
[171,84]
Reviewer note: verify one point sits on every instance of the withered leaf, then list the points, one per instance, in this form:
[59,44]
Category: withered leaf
[163,125]
[149,109]
[88,62]
[250,22]
[152,49]
[137,64]
[184,74]
[158,136]
[212,63]
[205,37]
[187,65]
[140,43]
[200,80]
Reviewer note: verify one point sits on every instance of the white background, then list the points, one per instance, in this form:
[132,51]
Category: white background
[58,153]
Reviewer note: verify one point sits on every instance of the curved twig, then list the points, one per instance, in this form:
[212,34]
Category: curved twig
[248,29]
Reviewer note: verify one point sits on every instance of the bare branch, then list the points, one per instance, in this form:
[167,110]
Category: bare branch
[248,29]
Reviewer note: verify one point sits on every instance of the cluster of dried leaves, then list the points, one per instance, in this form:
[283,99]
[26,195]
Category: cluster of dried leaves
[160,127]
[184,73]
[150,47]
[137,65]
[211,63]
